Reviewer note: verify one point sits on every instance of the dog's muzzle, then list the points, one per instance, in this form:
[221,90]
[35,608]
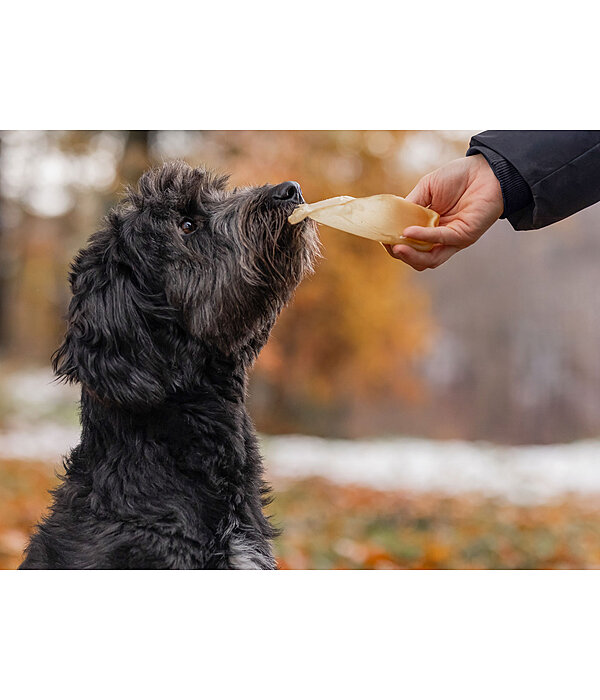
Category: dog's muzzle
[287,192]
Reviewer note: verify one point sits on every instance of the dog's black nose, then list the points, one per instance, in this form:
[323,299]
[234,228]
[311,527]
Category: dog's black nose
[288,192]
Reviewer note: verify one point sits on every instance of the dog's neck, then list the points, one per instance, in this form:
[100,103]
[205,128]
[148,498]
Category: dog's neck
[184,432]
[201,430]
[188,409]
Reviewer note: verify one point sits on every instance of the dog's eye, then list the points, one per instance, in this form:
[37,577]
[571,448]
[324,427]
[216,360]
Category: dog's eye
[187,226]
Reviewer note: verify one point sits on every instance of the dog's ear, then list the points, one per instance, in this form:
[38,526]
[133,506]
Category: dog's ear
[109,346]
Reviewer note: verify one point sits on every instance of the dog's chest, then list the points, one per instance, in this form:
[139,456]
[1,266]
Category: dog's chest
[246,554]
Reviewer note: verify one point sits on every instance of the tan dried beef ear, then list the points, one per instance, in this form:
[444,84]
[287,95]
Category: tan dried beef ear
[382,217]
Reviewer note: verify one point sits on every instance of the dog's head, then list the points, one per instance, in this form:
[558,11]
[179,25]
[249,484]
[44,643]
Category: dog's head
[184,269]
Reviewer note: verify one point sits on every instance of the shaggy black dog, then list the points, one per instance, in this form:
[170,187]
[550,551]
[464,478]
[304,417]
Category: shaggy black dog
[172,302]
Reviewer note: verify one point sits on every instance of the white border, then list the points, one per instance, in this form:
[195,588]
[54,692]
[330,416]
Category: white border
[337,65]
[412,634]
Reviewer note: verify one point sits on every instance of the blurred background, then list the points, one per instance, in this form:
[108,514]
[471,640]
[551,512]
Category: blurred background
[448,419]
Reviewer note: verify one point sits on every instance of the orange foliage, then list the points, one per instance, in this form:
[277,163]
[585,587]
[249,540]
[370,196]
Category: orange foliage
[328,526]
[23,498]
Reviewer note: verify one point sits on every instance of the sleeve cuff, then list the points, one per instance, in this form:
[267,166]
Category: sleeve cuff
[516,194]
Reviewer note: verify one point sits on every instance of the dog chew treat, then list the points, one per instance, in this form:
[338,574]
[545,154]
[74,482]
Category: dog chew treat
[381,217]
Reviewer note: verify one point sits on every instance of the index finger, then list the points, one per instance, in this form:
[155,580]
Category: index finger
[434,234]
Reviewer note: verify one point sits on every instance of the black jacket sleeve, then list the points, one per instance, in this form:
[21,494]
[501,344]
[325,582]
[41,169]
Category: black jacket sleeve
[545,176]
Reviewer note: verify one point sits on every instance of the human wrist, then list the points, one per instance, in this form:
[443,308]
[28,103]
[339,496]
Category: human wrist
[516,194]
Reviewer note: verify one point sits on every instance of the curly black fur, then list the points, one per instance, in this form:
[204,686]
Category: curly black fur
[172,302]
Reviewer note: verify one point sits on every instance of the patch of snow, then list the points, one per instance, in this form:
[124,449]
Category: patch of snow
[44,442]
[526,474]
[37,387]
[33,396]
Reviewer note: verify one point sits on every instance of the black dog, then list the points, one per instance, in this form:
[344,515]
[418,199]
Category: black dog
[172,302]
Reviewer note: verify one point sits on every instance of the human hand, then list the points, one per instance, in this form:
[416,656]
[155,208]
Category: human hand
[467,196]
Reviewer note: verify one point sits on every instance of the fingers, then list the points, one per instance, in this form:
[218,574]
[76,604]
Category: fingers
[419,260]
[435,234]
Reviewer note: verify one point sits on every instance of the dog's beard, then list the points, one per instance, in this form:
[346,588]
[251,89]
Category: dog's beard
[275,253]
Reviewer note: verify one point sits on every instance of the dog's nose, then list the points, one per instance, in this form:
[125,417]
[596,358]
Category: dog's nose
[288,192]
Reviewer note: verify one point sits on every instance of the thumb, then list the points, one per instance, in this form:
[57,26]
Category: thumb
[421,193]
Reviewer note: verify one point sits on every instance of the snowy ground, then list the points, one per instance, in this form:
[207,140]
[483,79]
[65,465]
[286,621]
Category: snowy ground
[522,474]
